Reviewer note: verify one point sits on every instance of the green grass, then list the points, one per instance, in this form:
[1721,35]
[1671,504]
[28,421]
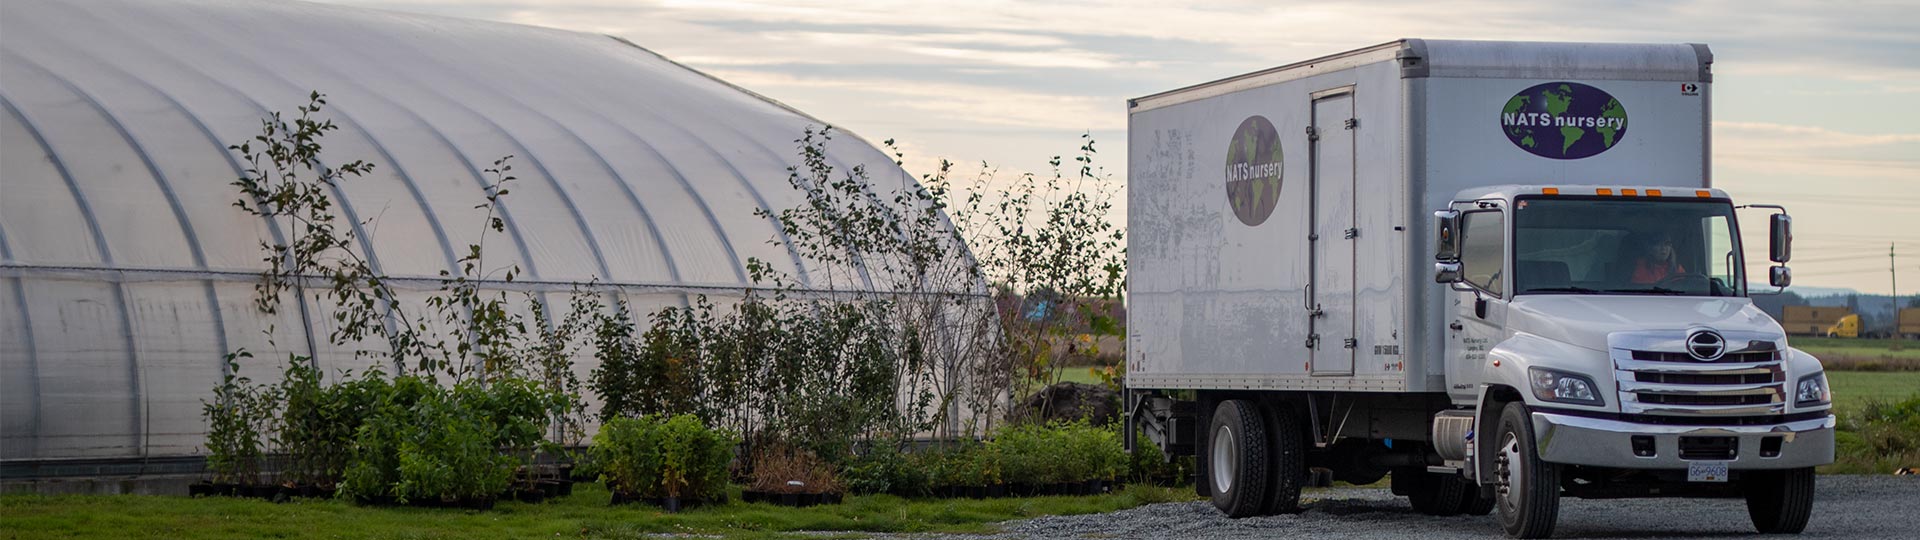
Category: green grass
[1862,354]
[1852,388]
[584,515]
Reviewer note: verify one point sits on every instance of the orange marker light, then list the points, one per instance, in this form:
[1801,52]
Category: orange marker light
[1653,193]
[1630,192]
[1604,191]
[1703,193]
[1551,191]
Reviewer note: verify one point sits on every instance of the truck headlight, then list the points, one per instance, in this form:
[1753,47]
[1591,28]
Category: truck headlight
[1811,390]
[1562,387]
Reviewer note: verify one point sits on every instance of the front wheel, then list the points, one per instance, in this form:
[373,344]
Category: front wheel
[1780,502]
[1528,492]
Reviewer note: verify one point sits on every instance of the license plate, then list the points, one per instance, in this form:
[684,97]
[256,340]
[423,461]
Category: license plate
[1706,471]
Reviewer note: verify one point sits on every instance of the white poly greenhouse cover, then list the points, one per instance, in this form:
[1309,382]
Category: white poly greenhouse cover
[126,273]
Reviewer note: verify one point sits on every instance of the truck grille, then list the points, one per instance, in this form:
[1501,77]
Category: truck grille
[1729,358]
[1709,378]
[1659,378]
[1670,399]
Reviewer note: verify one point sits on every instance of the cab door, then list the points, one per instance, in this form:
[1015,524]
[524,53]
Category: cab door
[1477,314]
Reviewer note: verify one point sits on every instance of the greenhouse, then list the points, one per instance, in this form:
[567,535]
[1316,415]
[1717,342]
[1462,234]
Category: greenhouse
[126,271]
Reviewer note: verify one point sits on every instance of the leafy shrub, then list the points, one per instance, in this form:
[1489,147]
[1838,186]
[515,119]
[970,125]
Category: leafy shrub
[651,457]
[1147,463]
[1058,453]
[1878,437]
[426,442]
[883,468]
[236,422]
[317,427]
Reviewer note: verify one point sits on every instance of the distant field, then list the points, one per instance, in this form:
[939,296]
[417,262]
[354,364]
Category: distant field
[1851,388]
[1862,354]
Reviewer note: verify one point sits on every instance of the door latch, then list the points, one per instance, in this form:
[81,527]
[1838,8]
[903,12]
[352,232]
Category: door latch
[1315,312]
[1353,233]
[1312,134]
[1353,123]
[1455,325]
[1313,341]
[1351,343]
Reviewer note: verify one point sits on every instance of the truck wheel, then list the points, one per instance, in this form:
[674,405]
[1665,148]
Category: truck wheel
[1528,492]
[1237,458]
[1473,502]
[1780,502]
[1436,494]
[1286,441]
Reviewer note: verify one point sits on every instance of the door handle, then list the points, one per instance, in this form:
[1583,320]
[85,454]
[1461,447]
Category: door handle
[1455,325]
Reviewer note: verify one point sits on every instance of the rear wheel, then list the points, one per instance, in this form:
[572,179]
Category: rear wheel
[1779,501]
[1237,459]
[1286,442]
[1528,492]
[1433,494]
[1475,502]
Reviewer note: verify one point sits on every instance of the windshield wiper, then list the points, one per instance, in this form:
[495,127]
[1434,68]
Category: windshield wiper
[1575,290]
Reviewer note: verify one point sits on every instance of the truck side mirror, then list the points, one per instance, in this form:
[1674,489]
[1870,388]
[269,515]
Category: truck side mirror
[1446,272]
[1779,276]
[1446,228]
[1781,238]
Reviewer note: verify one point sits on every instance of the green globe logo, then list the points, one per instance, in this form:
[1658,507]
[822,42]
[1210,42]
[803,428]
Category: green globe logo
[1564,120]
[1253,170]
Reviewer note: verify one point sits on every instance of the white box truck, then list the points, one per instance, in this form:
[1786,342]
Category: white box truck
[1590,334]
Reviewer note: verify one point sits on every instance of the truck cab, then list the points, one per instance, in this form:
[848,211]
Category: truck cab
[1618,319]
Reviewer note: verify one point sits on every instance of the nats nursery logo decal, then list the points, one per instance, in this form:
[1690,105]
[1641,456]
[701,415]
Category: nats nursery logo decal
[1253,170]
[1564,120]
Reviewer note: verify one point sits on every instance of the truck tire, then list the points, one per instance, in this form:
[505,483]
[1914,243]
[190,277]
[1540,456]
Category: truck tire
[1474,502]
[1780,502]
[1528,492]
[1237,458]
[1436,494]
[1287,443]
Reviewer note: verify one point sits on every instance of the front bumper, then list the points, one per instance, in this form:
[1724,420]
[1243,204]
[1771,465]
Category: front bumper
[1578,440]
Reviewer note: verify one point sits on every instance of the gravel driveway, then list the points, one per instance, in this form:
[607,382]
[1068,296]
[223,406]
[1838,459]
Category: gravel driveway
[1846,507]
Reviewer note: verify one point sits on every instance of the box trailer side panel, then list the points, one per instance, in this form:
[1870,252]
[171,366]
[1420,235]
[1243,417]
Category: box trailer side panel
[1280,220]
[1251,262]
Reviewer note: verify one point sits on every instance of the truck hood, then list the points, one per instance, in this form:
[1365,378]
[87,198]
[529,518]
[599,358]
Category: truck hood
[1585,321]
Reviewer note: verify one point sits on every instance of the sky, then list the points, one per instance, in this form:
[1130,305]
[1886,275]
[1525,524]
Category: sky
[1816,104]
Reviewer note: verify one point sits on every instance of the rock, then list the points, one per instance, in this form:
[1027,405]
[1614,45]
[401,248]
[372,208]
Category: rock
[1072,401]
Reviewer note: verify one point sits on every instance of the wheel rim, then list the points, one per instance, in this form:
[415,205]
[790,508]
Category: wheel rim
[1512,475]
[1222,463]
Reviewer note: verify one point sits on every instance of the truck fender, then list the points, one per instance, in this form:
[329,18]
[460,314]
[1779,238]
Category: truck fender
[1504,380]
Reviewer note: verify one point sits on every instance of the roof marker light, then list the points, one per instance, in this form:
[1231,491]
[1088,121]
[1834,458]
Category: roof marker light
[1703,193]
[1630,192]
[1604,191]
[1653,193]
[1550,191]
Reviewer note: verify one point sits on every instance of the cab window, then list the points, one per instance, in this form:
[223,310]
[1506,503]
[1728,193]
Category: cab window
[1483,249]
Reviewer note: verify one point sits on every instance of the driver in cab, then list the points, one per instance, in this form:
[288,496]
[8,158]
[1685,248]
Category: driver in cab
[1656,261]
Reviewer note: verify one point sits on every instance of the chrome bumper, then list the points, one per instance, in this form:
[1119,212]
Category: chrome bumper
[1577,440]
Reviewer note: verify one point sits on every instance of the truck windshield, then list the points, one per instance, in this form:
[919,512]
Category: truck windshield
[1679,247]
